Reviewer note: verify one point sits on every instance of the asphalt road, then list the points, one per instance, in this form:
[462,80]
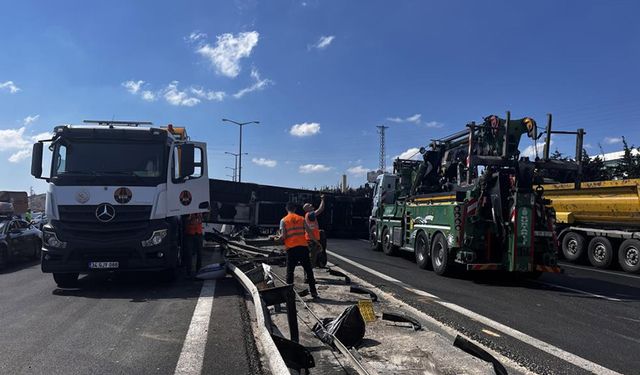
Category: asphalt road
[124,324]
[583,312]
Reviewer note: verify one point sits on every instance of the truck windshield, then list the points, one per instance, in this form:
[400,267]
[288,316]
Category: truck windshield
[136,159]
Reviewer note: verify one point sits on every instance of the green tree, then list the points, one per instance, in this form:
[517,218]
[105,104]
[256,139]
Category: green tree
[629,166]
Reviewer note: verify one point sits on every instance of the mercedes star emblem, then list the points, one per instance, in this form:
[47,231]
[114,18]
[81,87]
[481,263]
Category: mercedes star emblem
[105,212]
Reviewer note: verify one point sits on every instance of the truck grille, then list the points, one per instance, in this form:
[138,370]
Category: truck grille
[81,222]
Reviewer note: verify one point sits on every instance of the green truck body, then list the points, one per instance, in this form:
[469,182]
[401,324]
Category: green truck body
[487,218]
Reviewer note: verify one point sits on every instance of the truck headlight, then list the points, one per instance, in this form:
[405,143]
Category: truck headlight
[155,239]
[51,240]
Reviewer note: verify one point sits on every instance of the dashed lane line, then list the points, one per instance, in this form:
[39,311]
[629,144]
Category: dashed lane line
[551,285]
[563,264]
[536,343]
[192,355]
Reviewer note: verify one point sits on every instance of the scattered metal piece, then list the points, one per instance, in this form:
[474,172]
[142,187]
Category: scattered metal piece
[476,351]
[347,279]
[361,290]
[295,356]
[286,294]
[403,318]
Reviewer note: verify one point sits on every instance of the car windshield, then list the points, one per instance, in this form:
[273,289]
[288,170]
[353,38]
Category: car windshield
[101,158]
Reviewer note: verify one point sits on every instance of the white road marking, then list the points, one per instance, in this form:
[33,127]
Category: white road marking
[539,344]
[578,291]
[563,264]
[192,355]
[490,333]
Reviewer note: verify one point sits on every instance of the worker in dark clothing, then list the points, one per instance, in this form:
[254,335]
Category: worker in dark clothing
[292,232]
[192,242]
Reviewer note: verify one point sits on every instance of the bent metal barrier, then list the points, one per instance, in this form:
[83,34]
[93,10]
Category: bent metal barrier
[274,359]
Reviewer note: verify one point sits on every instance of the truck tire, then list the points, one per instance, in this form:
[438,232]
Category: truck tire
[440,255]
[66,280]
[421,251]
[573,246]
[387,244]
[629,255]
[600,252]
[373,237]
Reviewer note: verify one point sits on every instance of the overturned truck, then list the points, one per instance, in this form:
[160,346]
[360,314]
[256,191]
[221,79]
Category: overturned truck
[473,201]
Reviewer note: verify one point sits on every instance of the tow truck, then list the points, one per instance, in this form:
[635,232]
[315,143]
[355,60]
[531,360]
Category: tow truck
[473,201]
[116,196]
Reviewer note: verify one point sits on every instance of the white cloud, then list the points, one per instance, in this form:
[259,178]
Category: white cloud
[176,97]
[434,124]
[264,162]
[258,85]
[9,85]
[612,140]
[132,86]
[530,151]
[305,129]
[358,171]
[415,118]
[217,96]
[15,140]
[323,42]
[412,153]
[20,155]
[229,49]
[313,168]
[149,96]
[30,120]
[195,36]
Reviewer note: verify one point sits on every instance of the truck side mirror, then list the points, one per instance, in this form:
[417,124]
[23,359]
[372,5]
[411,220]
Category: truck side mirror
[36,160]
[187,155]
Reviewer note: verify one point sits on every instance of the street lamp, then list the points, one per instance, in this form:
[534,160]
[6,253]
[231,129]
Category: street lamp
[240,124]
[235,165]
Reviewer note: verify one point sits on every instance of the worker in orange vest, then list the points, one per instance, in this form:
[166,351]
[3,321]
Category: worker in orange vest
[313,241]
[192,242]
[292,231]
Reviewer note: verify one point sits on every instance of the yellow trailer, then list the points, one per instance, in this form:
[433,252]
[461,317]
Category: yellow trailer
[601,219]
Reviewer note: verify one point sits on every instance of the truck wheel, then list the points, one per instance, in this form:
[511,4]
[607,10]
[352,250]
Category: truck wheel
[66,280]
[629,256]
[387,245]
[440,255]
[373,237]
[573,246]
[422,251]
[600,252]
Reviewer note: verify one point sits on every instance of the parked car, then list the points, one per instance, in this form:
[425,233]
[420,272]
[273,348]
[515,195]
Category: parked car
[18,239]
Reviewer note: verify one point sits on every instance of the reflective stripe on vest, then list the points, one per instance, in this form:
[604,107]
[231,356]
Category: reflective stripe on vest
[294,228]
[315,228]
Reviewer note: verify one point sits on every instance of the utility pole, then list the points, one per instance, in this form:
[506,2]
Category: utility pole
[240,124]
[383,162]
[235,164]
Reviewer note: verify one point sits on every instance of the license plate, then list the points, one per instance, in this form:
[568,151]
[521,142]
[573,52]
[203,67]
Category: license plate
[103,265]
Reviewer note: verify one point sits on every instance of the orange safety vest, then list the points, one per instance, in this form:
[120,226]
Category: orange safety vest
[313,225]
[193,224]
[294,229]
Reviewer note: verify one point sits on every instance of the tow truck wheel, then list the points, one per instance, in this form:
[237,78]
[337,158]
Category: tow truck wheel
[600,252]
[440,255]
[422,251]
[573,246]
[629,256]
[373,237]
[387,245]
[66,280]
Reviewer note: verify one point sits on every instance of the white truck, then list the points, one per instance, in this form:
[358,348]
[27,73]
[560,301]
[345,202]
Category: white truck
[117,193]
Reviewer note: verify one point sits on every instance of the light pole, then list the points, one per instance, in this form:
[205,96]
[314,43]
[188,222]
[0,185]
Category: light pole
[240,124]
[235,164]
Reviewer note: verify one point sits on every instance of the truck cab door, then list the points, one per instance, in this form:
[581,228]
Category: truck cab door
[187,194]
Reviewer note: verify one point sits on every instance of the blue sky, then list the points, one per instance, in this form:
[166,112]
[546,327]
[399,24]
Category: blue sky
[336,69]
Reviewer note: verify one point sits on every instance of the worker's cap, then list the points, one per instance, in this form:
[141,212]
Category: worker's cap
[307,207]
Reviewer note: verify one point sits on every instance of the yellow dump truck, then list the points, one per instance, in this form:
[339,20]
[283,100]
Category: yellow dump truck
[602,219]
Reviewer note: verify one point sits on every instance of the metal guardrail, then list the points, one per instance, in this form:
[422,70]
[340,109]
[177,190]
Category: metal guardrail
[274,359]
